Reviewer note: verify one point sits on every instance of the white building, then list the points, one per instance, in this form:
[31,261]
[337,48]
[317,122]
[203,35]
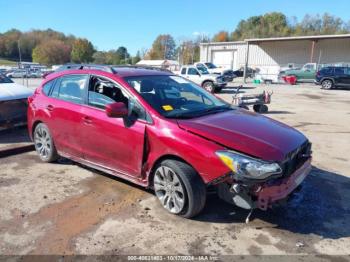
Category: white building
[171,65]
[277,52]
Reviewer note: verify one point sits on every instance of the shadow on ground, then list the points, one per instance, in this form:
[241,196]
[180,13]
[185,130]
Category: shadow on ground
[322,208]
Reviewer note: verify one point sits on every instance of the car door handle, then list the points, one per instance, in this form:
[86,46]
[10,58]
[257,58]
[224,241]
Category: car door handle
[49,107]
[87,120]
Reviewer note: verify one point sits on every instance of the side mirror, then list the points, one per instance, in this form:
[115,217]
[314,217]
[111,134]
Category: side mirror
[116,110]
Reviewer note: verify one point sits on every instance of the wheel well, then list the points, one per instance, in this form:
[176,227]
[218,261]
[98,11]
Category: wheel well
[206,81]
[327,78]
[34,126]
[159,160]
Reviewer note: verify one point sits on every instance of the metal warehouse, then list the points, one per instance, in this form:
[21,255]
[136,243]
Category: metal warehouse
[277,52]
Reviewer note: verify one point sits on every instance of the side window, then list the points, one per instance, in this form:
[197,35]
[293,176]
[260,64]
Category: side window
[103,91]
[192,71]
[70,88]
[183,71]
[47,87]
[339,71]
[347,71]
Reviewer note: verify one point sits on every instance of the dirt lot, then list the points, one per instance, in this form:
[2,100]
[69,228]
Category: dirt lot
[64,208]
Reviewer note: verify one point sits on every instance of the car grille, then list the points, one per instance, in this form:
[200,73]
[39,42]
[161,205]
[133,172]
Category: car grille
[296,159]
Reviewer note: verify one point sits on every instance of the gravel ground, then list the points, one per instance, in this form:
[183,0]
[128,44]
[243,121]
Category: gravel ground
[65,208]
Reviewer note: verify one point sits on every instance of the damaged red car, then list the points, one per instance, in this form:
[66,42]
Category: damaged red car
[162,131]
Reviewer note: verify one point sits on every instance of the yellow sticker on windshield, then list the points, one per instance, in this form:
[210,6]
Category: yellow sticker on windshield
[168,107]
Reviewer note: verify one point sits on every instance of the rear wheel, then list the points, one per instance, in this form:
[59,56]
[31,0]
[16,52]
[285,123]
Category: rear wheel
[327,84]
[44,144]
[260,108]
[209,86]
[179,188]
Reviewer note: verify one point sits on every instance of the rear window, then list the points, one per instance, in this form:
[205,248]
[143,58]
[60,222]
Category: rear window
[339,71]
[47,87]
[5,80]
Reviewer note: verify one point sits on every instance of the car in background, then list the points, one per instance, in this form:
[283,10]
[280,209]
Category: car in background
[213,69]
[333,76]
[240,72]
[18,73]
[13,103]
[164,132]
[305,74]
[199,75]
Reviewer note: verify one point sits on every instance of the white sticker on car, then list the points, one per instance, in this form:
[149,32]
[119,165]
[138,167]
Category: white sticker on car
[179,79]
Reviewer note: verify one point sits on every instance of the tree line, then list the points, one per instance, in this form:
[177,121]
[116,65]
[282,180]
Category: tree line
[51,47]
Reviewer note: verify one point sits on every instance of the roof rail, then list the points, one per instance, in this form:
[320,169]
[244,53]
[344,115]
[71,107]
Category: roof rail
[141,67]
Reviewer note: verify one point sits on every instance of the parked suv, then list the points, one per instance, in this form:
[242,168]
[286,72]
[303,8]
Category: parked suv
[164,132]
[332,76]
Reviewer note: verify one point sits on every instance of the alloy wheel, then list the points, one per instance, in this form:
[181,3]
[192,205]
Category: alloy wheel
[327,84]
[169,189]
[42,141]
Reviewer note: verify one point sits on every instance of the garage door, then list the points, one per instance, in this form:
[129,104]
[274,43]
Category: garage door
[224,59]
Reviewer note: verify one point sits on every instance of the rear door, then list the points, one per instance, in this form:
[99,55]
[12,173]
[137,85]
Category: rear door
[64,107]
[347,76]
[340,77]
[113,143]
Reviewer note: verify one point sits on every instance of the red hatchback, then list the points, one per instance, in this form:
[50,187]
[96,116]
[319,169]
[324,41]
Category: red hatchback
[161,131]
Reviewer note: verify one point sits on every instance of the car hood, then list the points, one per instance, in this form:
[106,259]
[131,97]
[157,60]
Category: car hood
[247,132]
[13,91]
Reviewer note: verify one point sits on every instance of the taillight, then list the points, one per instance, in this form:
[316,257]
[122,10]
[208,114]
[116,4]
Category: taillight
[30,99]
[318,73]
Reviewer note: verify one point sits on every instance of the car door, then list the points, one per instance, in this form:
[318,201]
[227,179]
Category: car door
[194,75]
[340,76]
[64,109]
[347,76]
[113,143]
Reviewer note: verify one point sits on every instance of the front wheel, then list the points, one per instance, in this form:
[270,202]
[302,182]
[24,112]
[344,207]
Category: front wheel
[209,86]
[44,144]
[327,84]
[179,188]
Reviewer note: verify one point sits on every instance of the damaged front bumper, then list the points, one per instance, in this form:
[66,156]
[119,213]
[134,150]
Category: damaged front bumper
[269,194]
[263,195]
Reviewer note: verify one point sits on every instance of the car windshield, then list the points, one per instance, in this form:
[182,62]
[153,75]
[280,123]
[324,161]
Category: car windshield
[202,70]
[210,65]
[175,97]
[5,80]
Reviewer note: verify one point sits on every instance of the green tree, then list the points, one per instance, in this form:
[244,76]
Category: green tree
[52,52]
[163,47]
[100,57]
[82,51]
[136,58]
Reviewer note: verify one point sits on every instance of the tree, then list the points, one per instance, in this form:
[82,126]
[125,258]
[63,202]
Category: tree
[163,47]
[100,57]
[136,58]
[122,55]
[222,36]
[52,52]
[82,51]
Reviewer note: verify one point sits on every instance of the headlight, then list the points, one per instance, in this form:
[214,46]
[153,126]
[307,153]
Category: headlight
[247,167]
[219,79]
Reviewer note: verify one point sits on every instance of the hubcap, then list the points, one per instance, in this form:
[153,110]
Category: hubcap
[327,84]
[42,142]
[208,87]
[169,189]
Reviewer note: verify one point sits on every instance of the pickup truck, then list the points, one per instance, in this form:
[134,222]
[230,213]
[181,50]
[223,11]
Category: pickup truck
[228,74]
[306,73]
[210,82]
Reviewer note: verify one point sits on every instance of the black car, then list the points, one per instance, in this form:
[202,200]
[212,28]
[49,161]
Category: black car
[333,76]
[240,72]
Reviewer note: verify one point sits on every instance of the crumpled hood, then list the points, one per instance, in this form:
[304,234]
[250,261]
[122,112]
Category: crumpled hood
[247,132]
[13,91]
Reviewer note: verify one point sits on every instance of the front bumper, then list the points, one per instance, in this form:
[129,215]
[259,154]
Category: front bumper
[270,194]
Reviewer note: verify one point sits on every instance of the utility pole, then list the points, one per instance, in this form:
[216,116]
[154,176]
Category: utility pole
[19,53]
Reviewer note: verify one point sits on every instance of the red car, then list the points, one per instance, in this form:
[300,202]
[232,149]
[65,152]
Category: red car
[162,131]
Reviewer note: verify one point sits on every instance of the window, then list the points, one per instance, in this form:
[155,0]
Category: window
[70,88]
[347,71]
[339,71]
[47,87]
[5,80]
[192,71]
[183,71]
[103,92]
[175,97]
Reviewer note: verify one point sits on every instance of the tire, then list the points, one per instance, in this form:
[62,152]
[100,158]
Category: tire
[44,144]
[218,89]
[327,84]
[260,108]
[209,86]
[179,188]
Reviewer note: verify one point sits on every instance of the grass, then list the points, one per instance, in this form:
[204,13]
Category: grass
[7,62]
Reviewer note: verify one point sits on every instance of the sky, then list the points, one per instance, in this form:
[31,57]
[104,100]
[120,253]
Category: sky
[134,24]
